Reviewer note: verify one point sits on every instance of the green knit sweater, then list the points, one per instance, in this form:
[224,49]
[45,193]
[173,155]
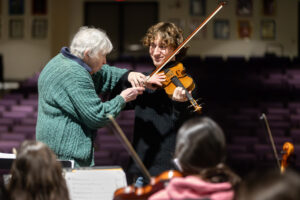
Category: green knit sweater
[70,111]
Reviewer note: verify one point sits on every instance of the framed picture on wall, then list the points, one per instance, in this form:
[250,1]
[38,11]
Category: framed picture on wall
[269,7]
[244,29]
[244,7]
[39,28]
[16,28]
[39,7]
[16,7]
[221,29]
[197,7]
[268,29]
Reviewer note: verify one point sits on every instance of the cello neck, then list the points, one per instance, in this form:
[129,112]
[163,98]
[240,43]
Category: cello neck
[129,148]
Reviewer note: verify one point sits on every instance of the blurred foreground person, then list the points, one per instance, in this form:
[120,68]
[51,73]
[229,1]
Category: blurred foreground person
[36,174]
[270,185]
[200,155]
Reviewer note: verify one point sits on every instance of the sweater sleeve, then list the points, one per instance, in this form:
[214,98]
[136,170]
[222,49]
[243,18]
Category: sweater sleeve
[88,106]
[107,78]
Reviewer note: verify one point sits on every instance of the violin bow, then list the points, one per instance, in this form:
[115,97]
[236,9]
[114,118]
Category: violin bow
[264,117]
[129,147]
[187,40]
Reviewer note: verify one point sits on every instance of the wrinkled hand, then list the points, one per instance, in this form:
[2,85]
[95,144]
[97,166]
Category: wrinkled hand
[136,79]
[179,95]
[155,80]
[130,94]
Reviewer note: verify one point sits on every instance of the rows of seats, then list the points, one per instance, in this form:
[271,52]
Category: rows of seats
[235,92]
[17,119]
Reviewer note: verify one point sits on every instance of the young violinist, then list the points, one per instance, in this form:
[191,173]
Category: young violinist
[200,155]
[158,116]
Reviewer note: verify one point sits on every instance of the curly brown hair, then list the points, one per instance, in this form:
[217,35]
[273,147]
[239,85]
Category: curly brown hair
[170,34]
[36,174]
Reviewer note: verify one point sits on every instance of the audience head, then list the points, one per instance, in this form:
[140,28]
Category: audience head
[36,174]
[201,150]
[91,41]
[270,185]
[200,144]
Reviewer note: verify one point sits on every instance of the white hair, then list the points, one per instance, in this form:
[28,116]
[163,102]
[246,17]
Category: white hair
[92,40]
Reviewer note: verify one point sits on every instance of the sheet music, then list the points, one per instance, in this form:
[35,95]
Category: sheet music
[7,155]
[95,183]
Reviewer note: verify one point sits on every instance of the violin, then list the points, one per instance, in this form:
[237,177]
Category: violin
[173,74]
[156,183]
[288,150]
[176,76]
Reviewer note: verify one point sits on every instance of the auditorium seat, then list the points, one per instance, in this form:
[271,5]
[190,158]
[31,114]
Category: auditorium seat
[16,116]
[28,130]
[28,121]
[127,114]
[144,67]
[31,102]
[6,136]
[295,135]
[124,65]
[22,108]
[295,120]
[123,159]
[261,150]
[7,145]
[6,121]
[236,148]
[103,158]
[245,140]
[13,96]
[114,148]
[4,128]
[8,102]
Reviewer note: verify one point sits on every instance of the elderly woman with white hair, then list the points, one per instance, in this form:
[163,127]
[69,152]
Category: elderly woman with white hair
[70,110]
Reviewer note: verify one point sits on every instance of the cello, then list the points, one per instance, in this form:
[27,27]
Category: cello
[287,148]
[156,183]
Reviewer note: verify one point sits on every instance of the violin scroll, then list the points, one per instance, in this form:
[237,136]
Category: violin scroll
[288,150]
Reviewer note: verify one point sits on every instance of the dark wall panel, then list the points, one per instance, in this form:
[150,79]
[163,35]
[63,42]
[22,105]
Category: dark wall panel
[124,22]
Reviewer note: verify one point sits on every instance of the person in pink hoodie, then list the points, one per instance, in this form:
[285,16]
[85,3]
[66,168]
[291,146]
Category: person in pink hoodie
[200,154]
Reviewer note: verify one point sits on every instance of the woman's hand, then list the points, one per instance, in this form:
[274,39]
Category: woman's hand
[130,94]
[136,79]
[155,81]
